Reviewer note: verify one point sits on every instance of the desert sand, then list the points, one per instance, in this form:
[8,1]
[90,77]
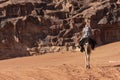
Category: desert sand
[105,65]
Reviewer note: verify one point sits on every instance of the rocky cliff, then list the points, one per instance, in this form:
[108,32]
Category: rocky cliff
[39,26]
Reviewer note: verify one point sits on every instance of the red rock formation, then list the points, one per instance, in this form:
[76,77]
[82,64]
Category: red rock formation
[55,23]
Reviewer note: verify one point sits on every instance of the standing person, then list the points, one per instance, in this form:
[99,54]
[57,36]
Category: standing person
[87,34]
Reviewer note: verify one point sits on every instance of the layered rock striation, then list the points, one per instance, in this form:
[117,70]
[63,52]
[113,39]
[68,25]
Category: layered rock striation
[42,26]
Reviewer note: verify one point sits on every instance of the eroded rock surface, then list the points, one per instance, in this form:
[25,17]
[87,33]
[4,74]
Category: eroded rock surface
[42,26]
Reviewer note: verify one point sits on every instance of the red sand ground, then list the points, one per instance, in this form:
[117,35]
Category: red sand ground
[105,65]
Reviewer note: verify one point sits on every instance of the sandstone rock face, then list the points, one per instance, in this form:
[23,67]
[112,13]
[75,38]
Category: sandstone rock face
[43,26]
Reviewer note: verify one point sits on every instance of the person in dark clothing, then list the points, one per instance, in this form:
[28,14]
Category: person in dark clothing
[87,36]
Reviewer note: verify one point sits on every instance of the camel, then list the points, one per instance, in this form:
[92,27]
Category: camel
[88,45]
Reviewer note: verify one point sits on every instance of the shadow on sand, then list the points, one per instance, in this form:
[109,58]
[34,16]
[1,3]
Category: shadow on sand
[117,65]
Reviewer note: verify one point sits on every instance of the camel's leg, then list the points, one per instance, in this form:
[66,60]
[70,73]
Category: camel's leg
[87,58]
[88,65]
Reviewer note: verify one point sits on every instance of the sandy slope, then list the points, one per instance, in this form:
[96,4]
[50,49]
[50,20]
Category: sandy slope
[105,63]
